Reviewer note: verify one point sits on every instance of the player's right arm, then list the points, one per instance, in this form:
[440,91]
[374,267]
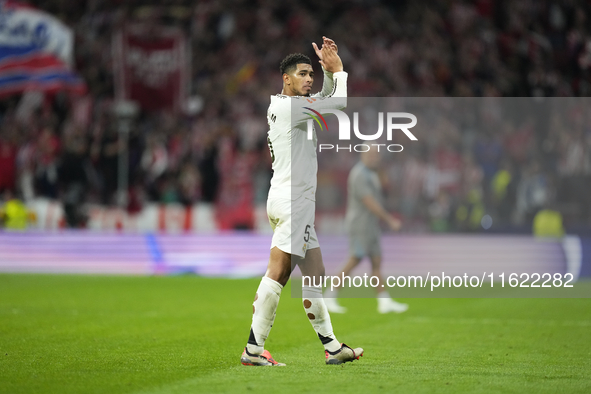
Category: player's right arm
[334,63]
[377,209]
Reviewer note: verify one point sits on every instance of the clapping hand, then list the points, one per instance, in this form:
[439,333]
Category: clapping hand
[328,55]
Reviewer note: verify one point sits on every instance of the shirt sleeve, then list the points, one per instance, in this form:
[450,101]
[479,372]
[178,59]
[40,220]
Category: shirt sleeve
[327,84]
[336,99]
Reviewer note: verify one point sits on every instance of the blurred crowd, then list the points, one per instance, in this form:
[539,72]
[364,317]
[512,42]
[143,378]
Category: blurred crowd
[67,148]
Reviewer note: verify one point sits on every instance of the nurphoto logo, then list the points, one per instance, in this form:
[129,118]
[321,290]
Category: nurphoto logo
[345,130]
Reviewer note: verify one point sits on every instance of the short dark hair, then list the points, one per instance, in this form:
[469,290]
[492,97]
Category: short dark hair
[291,62]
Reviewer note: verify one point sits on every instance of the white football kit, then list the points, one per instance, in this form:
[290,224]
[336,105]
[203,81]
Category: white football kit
[291,201]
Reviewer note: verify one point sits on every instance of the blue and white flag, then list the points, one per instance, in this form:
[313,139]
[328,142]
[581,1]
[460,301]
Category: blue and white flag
[36,52]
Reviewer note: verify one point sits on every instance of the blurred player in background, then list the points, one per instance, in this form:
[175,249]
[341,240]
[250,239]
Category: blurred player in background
[364,211]
[293,190]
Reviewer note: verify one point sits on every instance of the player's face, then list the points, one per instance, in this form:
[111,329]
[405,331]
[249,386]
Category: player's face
[302,80]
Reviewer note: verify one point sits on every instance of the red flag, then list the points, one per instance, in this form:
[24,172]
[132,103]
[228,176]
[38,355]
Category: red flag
[151,67]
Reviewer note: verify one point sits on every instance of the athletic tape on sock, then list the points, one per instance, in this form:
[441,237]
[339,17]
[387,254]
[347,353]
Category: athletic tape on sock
[319,317]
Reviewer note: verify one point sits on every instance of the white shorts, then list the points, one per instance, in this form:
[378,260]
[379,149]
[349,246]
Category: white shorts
[292,233]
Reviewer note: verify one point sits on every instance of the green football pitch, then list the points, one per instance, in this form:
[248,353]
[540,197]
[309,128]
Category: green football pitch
[185,334]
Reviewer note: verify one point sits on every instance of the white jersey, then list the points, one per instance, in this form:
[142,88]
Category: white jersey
[294,156]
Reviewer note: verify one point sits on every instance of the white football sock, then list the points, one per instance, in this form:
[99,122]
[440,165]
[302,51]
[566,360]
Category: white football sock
[319,317]
[383,298]
[263,314]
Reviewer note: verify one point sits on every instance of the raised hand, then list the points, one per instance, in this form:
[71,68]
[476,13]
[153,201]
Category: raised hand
[325,42]
[317,50]
[329,58]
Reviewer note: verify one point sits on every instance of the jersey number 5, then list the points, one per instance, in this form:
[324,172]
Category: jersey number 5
[271,149]
[307,232]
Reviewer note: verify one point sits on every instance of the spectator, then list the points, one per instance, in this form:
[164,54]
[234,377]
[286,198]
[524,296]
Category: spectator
[73,170]
[14,214]
[47,150]
[532,192]
[8,154]
[548,223]
[109,148]
[420,48]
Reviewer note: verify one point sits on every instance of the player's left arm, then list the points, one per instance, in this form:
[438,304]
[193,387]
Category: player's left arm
[327,84]
[330,62]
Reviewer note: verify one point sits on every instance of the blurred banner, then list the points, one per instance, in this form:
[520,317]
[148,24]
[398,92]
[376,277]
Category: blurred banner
[246,254]
[151,66]
[35,52]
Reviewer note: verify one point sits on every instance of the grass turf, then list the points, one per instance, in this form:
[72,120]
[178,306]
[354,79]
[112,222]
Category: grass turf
[95,334]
